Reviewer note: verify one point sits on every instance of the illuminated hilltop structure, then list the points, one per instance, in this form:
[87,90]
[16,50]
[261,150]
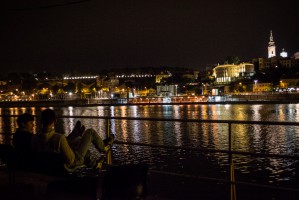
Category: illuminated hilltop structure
[225,74]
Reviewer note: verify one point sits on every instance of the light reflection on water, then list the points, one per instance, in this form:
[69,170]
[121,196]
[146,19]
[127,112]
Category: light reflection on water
[251,138]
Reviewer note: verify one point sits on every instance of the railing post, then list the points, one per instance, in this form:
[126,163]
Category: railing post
[109,156]
[231,165]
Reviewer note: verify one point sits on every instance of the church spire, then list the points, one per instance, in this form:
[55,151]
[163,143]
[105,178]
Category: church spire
[271,37]
[271,47]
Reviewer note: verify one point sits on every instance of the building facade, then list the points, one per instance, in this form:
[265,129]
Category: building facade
[289,83]
[262,87]
[167,90]
[225,74]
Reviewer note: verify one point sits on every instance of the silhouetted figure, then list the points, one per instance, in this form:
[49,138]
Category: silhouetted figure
[47,140]
[23,135]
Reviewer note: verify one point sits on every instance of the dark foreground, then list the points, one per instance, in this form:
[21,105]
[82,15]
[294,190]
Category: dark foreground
[160,186]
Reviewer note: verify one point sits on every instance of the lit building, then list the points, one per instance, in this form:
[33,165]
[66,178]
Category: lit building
[167,90]
[265,64]
[284,54]
[289,82]
[262,87]
[273,61]
[228,73]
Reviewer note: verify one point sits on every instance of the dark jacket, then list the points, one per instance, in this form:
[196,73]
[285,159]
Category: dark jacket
[22,141]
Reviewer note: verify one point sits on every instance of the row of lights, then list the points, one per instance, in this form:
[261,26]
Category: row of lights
[80,77]
[133,75]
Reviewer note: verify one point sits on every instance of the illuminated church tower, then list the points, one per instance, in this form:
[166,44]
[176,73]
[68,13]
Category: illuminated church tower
[271,47]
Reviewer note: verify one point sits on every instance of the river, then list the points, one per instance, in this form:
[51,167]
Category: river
[250,138]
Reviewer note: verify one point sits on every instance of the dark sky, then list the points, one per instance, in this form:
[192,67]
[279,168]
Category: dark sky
[58,35]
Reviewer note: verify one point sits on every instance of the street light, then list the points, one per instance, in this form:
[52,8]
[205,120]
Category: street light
[255,85]
[202,88]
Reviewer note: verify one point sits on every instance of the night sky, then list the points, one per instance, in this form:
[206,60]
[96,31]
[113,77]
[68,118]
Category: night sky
[88,36]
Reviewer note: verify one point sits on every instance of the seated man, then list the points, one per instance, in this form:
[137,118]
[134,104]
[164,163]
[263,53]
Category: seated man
[74,140]
[47,140]
[23,135]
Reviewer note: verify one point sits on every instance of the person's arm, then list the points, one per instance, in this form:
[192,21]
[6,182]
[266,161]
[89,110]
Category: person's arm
[66,150]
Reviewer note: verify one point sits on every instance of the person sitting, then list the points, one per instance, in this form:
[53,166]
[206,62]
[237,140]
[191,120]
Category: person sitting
[48,140]
[74,140]
[22,137]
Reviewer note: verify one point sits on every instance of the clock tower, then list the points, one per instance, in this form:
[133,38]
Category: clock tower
[271,47]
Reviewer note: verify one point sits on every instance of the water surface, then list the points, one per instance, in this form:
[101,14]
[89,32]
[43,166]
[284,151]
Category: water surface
[250,138]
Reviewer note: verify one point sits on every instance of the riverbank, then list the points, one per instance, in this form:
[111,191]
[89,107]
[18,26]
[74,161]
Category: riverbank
[86,102]
[44,103]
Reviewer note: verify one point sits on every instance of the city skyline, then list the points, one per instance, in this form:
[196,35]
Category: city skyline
[93,35]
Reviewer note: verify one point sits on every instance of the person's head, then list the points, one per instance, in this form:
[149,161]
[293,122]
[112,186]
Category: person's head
[26,122]
[48,117]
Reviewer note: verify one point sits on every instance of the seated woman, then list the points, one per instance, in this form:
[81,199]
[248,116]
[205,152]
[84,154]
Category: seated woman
[48,140]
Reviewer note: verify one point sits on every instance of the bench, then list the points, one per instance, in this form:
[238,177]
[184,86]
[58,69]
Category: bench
[116,182]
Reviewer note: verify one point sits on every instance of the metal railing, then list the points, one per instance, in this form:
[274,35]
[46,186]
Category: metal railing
[231,178]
